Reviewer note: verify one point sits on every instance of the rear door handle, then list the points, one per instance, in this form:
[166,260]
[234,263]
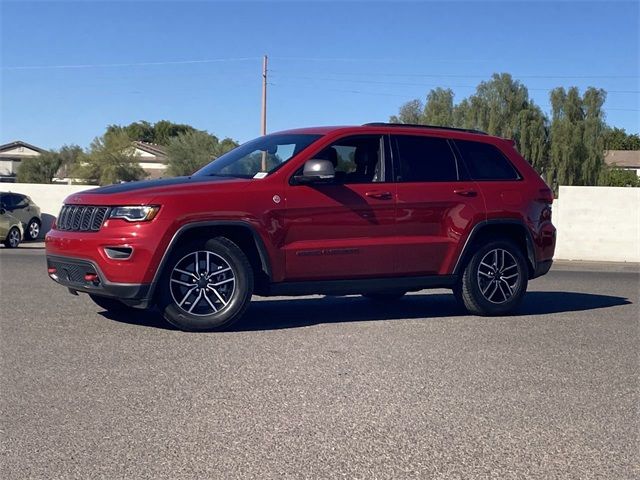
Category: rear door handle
[379,195]
[466,193]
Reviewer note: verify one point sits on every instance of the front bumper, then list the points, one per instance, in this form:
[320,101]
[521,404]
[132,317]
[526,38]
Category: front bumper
[80,275]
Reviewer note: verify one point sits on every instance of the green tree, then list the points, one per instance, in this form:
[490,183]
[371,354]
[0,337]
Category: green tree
[190,151]
[159,133]
[410,112]
[619,139]
[531,136]
[618,177]
[71,157]
[111,159]
[40,169]
[496,105]
[439,108]
[577,136]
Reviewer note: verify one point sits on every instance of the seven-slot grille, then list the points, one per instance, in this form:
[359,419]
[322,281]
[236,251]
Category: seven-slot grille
[81,218]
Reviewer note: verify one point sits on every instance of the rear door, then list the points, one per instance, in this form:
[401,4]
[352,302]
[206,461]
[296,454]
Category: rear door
[436,206]
[345,229]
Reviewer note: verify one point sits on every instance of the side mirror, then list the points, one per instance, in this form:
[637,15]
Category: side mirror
[316,171]
[2,211]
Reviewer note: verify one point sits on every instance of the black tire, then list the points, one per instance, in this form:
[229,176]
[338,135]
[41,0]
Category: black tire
[33,229]
[109,304]
[217,305]
[503,291]
[384,297]
[13,238]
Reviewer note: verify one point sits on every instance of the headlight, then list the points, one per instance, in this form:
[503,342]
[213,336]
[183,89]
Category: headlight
[134,214]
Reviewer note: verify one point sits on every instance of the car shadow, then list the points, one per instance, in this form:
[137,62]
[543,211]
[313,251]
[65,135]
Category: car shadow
[267,314]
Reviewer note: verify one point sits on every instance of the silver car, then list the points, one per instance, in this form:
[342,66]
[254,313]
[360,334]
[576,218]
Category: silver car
[11,231]
[23,208]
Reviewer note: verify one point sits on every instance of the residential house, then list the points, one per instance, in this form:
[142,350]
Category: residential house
[11,154]
[625,159]
[152,159]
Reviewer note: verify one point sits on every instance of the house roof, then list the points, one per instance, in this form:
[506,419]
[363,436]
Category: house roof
[152,148]
[623,158]
[20,143]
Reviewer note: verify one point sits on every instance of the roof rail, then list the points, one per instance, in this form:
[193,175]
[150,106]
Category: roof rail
[414,125]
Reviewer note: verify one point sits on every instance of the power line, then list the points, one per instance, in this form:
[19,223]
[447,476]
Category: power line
[136,64]
[457,75]
[412,84]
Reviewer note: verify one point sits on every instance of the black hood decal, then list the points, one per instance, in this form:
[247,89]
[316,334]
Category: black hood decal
[144,184]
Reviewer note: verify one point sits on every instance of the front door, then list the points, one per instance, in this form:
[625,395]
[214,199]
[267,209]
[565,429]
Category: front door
[345,229]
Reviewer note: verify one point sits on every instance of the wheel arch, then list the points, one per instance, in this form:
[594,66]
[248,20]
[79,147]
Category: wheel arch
[509,228]
[241,233]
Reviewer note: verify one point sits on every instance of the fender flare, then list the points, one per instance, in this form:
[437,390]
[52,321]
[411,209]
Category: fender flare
[475,231]
[262,251]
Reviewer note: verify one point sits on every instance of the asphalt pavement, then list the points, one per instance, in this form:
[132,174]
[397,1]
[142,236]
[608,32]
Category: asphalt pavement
[317,387]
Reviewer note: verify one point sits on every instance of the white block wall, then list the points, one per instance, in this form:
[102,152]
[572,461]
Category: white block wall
[594,223]
[598,223]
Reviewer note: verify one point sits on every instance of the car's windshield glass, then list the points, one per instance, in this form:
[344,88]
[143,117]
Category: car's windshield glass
[258,157]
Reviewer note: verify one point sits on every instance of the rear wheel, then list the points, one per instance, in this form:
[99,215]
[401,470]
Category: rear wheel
[33,229]
[109,304]
[206,287]
[13,238]
[495,279]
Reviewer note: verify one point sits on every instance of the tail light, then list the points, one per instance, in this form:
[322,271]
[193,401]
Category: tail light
[546,197]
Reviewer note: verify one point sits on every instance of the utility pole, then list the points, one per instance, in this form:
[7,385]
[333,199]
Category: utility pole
[263,127]
[263,130]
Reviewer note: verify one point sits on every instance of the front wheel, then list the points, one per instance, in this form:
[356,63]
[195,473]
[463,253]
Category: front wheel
[495,280]
[206,287]
[13,238]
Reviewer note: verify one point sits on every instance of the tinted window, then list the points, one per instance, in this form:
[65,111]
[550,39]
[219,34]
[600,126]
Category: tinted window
[425,159]
[357,159]
[485,161]
[11,200]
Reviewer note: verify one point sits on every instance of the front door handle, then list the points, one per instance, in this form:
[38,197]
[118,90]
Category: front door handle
[466,193]
[379,195]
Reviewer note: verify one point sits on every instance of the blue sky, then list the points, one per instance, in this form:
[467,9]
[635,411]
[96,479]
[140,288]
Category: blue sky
[330,62]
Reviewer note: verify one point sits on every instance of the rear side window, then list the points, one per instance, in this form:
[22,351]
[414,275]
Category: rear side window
[485,161]
[425,159]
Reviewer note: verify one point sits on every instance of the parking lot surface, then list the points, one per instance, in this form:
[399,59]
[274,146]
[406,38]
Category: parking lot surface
[320,387]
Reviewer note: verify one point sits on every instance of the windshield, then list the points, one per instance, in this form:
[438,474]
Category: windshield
[259,157]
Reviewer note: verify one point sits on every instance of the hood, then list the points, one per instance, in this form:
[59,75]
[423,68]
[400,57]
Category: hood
[141,192]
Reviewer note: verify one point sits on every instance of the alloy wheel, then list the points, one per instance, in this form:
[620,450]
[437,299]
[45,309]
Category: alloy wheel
[34,230]
[498,276]
[14,238]
[202,283]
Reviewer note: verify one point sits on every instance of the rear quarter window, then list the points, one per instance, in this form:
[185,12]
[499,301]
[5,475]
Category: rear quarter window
[485,161]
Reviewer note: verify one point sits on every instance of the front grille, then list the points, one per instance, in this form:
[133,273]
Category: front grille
[71,272]
[81,218]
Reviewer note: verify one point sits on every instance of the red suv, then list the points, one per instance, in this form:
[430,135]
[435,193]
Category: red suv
[377,210]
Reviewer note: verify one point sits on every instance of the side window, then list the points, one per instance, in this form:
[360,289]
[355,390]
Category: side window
[425,159]
[20,201]
[485,161]
[11,201]
[358,159]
